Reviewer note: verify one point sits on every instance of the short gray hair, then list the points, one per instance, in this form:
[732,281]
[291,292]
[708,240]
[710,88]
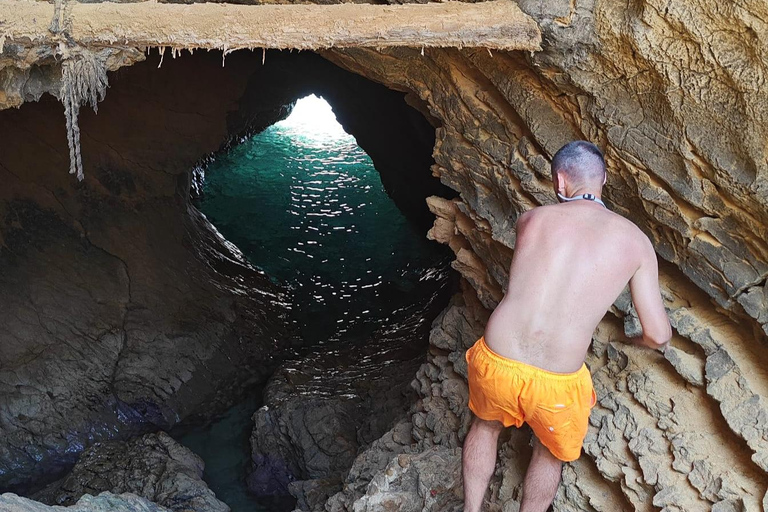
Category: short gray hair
[581,161]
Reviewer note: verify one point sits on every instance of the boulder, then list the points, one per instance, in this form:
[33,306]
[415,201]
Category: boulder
[152,466]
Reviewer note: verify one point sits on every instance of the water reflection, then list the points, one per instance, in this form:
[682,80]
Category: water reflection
[305,203]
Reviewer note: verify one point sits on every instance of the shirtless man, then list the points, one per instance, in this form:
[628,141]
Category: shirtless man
[571,262]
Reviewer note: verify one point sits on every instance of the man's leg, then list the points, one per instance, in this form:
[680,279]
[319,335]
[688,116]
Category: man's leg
[541,480]
[479,461]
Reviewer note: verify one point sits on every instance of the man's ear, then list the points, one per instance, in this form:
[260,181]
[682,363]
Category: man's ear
[605,177]
[560,183]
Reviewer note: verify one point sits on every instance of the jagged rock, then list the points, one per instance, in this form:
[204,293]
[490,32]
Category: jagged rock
[104,502]
[124,309]
[674,93]
[152,466]
[427,481]
[321,411]
[370,462]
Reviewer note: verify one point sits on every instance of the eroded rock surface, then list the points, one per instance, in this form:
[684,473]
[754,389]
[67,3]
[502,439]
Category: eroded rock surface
[105,502]
[683,129]
[322,411]
[152,466]
[675,95]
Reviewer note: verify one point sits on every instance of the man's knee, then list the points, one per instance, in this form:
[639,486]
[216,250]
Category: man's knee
[543,454]
[486,425]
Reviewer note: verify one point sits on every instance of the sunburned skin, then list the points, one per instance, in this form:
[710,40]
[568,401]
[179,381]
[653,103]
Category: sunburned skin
[571,262]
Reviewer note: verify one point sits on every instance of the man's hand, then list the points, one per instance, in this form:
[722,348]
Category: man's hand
[644,342]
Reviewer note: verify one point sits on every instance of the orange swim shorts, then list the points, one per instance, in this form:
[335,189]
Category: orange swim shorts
[555,405]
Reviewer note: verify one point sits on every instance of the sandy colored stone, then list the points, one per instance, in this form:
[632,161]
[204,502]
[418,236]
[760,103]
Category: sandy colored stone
[499,24]
[674,93]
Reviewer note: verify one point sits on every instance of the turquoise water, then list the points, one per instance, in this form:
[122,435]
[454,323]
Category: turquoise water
[305,204]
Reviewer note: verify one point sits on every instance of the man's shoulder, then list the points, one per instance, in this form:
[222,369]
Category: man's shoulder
[629,237]
[629,227]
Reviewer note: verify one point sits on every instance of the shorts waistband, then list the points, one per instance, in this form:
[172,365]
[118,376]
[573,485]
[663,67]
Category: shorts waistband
[527,368]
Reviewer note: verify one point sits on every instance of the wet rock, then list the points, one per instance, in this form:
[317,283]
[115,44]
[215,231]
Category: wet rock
[319,412]
[152,466]
[427,481]
[105,502]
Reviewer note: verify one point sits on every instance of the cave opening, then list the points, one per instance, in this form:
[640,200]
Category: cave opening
[186,325]
[305,203]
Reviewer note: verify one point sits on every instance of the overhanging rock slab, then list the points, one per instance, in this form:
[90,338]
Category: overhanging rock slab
[498,24]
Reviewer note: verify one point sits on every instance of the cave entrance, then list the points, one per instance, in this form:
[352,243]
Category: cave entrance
[325,192]
[305,203]
[147,318]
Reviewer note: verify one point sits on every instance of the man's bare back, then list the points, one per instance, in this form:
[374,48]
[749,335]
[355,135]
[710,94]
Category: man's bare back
[571,262]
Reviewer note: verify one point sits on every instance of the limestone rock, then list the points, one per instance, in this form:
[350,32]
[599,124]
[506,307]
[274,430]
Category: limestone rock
[104,502]
[320,411]
[683,130]
[428,481]
[152,466]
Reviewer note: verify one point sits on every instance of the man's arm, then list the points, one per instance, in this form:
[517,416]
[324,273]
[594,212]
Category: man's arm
[646,297]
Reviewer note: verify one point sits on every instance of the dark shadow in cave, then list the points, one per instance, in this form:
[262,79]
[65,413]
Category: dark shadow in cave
[137,316]
[395,336]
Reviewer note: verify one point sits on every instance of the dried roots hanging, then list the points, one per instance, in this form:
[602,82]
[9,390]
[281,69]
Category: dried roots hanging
[83,81]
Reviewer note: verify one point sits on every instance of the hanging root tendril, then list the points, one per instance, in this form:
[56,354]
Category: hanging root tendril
[83,81]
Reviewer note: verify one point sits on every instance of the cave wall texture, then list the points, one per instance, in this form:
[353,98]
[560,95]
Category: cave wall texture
[673,92]
[124,309]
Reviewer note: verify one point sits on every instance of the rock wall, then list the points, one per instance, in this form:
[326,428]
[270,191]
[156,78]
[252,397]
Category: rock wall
[125,310]
[152,466]
[674,95]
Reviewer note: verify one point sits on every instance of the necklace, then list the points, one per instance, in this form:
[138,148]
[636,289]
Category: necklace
[588,197]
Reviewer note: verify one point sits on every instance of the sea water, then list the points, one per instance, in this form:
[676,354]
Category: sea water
[305,204]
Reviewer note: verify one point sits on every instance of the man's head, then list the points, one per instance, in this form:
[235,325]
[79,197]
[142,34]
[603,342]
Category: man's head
[579,165]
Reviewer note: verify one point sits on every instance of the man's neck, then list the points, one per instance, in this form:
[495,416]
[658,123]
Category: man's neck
[579,191]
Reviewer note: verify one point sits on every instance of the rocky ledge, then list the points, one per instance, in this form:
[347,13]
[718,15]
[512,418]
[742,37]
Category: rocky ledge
[152,466]
[105,502]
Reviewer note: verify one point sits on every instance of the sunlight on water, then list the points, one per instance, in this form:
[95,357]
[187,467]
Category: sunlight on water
[313,118]
[305,203]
